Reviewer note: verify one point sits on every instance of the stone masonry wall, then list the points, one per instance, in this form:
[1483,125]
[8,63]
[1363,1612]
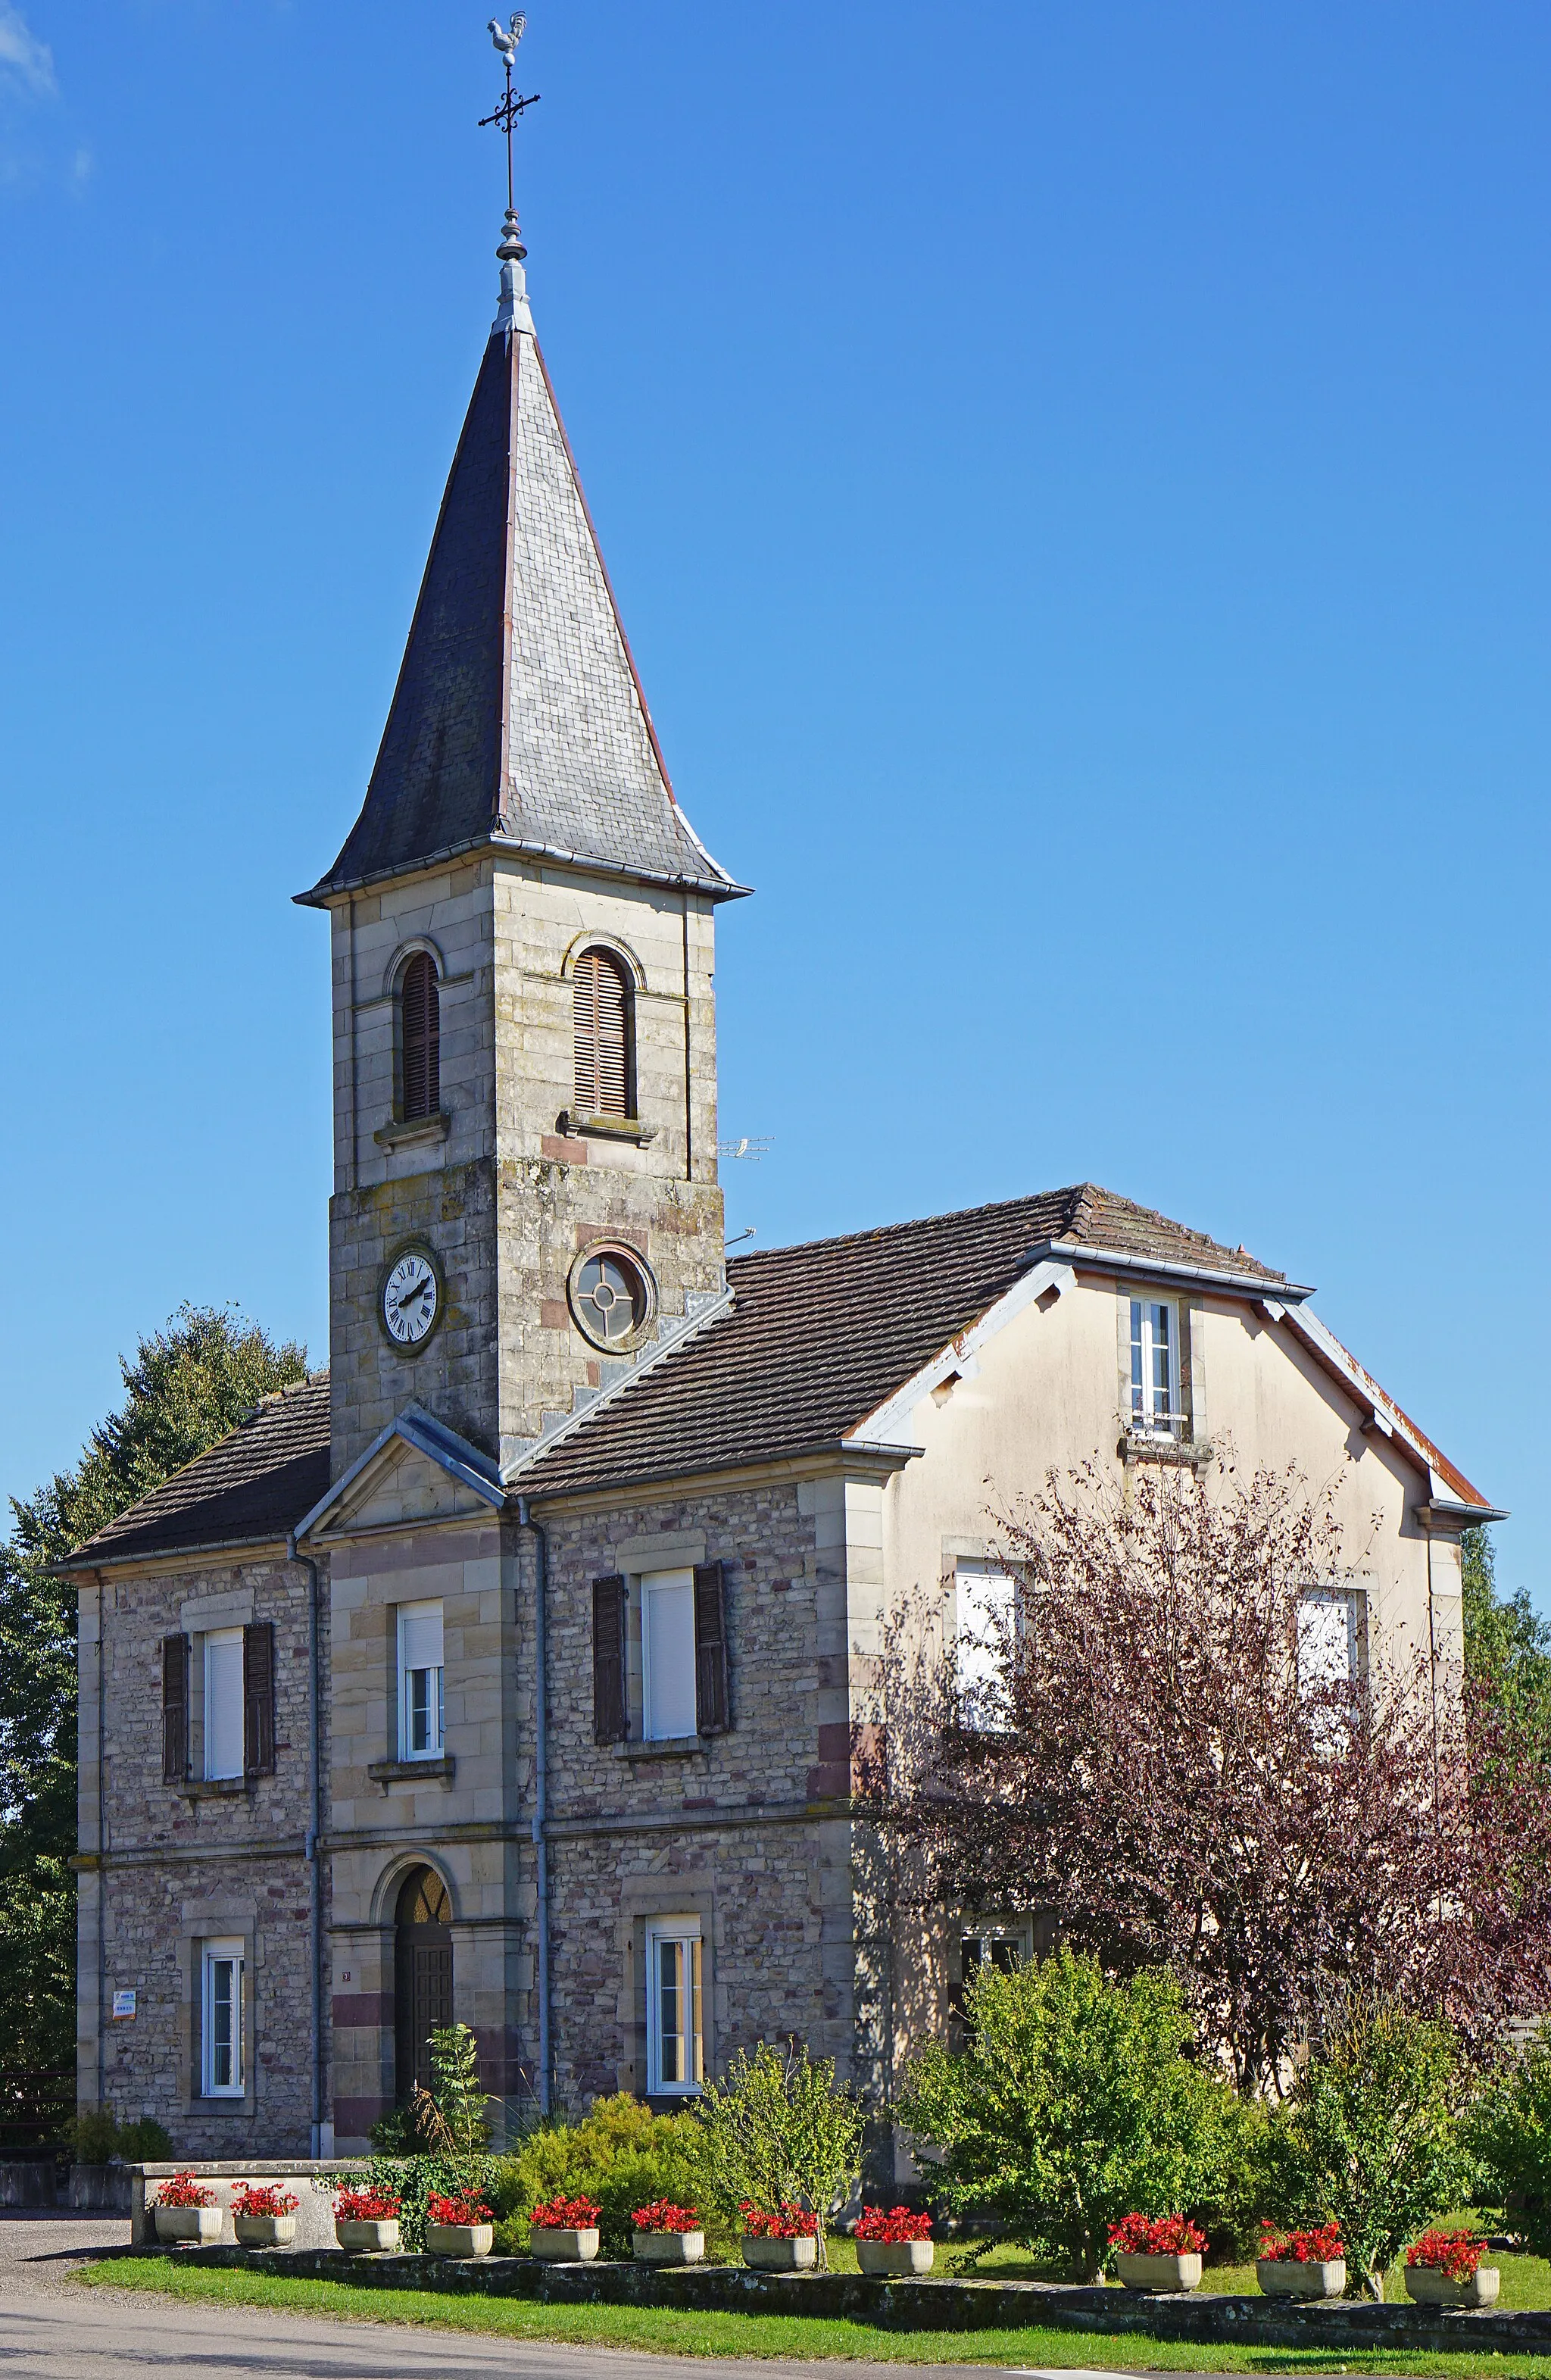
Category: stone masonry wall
[181,1868]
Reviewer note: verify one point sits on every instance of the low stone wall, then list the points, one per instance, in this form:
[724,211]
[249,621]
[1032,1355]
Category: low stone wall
[30,2181]
[310,2180]
[1201,2319]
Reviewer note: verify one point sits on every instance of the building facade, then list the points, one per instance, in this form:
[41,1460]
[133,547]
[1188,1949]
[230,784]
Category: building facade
[510,1669]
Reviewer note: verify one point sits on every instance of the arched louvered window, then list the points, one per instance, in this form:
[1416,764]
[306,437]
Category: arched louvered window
[601,1000]
[419,1042]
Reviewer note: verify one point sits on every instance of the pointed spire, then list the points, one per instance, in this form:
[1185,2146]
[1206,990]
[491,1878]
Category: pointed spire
[518,720]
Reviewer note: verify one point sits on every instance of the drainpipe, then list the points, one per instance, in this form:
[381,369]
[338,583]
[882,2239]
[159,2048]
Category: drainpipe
[102,1842]
[540,1779]
[314,1830]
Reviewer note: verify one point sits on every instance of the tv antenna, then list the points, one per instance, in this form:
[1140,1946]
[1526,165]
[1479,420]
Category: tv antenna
[755,1148]
[511,107]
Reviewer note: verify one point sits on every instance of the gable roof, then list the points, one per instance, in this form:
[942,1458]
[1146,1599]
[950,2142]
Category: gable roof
[250,1487]
[519,718]
[821,1335]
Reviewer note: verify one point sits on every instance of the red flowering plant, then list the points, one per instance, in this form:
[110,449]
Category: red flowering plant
[363,2203]
[892,2224]
[184,2190]
[263,2198]
[465,2207]
[1455,2252]
[789,2223]
[1318,2244]
[1157,2234]
[566,2214]
[663,2216]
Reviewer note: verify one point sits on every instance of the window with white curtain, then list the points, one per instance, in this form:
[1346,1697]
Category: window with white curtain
[1328,1631]
[667,1655]
[984,1618]
[1156,1406]
[676,2049]
[221,2041]
[419,1682]
[223,1701]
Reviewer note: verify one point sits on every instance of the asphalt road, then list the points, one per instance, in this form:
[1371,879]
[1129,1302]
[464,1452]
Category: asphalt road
[50,2330]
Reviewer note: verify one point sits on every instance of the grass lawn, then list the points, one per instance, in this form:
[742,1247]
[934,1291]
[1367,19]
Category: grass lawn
[795,2335]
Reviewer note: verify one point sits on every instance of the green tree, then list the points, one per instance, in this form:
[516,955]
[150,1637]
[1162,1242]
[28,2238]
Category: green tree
[451,2116]
[185,1387]
[620,2154]
[1072,2105]
[777,2132]
[1508,1645]
[1372,2142]
[1508,2131]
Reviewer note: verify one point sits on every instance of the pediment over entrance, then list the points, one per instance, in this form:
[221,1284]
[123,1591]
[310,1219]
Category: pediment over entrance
[415,1470]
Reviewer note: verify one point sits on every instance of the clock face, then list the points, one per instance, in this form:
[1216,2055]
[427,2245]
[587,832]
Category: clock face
[411,1297]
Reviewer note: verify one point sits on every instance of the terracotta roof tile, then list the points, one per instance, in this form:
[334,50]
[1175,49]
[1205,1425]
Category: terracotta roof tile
[250,1488]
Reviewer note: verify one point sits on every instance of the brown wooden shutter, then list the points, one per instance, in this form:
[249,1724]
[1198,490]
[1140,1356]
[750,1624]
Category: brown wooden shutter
[420,1037]
[611,1720]
[601,1012]
[175,1709]
[258,1699]
[712,1700]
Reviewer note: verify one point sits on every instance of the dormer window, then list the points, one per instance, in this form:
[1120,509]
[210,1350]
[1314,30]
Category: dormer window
[419,1038]
[1156,1401]
[601,1017]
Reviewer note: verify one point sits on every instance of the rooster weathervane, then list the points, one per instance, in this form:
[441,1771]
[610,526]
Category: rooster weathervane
[512,106]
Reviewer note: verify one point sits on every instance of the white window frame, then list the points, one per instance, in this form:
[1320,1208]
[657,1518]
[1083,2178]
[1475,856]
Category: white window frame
[433,1748]
[977,1673]
[217,1640]
[228,1954]
[1146,1420]
[683,1934]
[678,1583]
[1350,1599]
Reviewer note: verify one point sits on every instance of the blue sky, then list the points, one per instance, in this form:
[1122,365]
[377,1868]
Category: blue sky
[1077,481]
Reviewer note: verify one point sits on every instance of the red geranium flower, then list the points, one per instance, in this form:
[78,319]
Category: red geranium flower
[1157,2234]
[1455,2252]
[466,2207]
[365,2203]
[263,2198]
[1319,2245]
[894,2224]
[566,2214]
[663,2216]
[790,2223]
[184,2190]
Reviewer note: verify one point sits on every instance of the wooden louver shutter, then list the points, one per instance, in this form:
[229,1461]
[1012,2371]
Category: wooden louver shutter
[610,1722]
[600,1008]
[712,1700]
[258,1699]
[420,1037]
[175,1709]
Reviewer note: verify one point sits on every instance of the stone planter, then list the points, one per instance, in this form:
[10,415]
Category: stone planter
[563,2247]
[200,2224]
[265,2230]
[895,2260]
[780,2255]
[379,2239]
[460,2239]
[1429,2286]
[1162,2274]
[668,2247]
[1295,2280]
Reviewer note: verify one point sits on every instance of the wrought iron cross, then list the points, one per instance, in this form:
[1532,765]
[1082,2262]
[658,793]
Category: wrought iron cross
[512,106]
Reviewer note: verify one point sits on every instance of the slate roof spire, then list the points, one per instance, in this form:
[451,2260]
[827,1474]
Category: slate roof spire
[519,720]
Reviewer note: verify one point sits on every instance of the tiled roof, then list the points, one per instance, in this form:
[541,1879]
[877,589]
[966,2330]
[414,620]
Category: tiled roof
[519,718]
[250,1488]
[819,1336]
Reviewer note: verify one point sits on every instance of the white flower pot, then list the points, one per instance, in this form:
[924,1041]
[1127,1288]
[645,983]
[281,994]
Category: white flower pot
[780,2255]
[894,2259]
[1291,2280]
[460,2239]
[199,2224]
[668,2247]
[363,2238]
[1427,2286]
[1162,2274]
[556,2246]
[265,2230]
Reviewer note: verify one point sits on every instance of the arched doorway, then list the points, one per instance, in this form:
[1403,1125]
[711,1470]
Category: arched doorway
[423,1976]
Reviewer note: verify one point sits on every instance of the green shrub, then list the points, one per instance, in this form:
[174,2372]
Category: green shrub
[620,2154]
[145,2141]
[96,2135]
[1249,2182]
[1508,2132]
[1072,2105]
[1371,2141]
[777,2130]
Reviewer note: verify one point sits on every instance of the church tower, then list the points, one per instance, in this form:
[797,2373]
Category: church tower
[526,1197]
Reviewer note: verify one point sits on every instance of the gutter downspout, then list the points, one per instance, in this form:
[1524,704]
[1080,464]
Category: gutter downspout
[314,1831]
[102,1844]
[541,1781]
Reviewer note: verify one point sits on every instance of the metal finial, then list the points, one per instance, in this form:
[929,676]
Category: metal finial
[511,107]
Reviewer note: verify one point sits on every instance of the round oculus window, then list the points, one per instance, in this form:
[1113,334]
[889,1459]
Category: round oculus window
[612,1296]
